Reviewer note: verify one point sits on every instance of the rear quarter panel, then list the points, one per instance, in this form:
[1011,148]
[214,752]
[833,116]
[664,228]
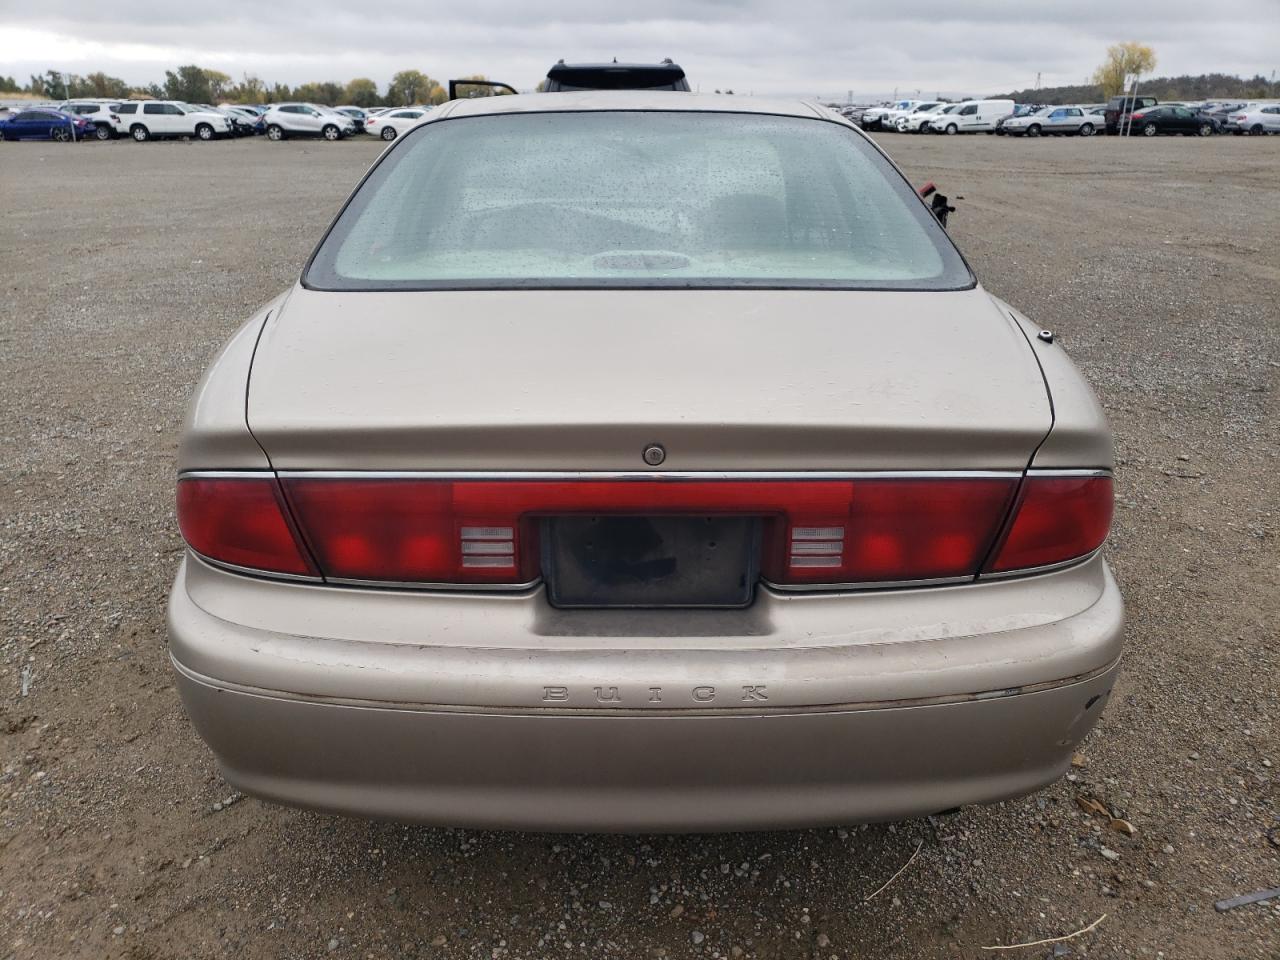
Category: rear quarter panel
[215,435]
[1080,436]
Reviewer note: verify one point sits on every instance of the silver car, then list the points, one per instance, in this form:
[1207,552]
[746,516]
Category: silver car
[285,120]
[1083,121]
[623,461]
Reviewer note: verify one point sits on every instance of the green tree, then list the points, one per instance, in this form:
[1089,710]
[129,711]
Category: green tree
[1123,61]
[219,83]
[362,92]
[51,84]
[327,93]
[190,83]
[94,85]
[413,86]
[250,89]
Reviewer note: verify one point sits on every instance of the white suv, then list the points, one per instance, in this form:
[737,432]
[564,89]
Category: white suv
[107,123]
[307,120]
[147,119]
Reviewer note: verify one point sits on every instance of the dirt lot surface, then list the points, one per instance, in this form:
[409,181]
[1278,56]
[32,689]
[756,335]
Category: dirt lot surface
[126,265]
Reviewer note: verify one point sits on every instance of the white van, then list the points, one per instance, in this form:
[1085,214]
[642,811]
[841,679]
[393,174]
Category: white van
[974,116]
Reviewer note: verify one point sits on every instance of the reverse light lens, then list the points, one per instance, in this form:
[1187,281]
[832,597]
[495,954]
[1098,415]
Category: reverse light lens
[240,521]
[1057,519]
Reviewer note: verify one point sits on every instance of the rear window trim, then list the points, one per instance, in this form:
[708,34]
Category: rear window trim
[447,286]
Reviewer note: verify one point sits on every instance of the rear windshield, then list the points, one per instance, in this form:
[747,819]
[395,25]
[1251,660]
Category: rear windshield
[607,199]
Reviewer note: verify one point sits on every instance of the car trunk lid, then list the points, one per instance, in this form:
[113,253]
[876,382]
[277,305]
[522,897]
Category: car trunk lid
[585,380]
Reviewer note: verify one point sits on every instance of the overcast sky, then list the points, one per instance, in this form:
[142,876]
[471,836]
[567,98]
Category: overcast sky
[806,47]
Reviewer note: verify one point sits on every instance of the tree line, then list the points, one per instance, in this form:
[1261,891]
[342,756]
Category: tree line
[1206,86]
[195,84]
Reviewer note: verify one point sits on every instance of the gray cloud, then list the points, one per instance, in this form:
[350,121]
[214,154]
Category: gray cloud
[810,47]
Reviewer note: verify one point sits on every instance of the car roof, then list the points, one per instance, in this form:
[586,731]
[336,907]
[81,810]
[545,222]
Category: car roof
[603,75]
[656,100]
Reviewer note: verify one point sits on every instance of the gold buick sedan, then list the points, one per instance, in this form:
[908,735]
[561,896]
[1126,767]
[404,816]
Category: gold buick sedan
[630,461]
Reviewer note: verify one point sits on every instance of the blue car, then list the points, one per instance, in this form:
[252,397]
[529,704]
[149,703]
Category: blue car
[45,124]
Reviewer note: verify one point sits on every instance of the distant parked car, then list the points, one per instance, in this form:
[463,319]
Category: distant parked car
[1115,116]
[107,124]
[46,125]
[1057,120]
[1222,111]
[358,114]
[1019,110]
[151,119]
[874,118]
[391,124]
[307,120]
[1258,120]
[241,126]
[1167,119]
[897,119]
[242,117]
[921,121]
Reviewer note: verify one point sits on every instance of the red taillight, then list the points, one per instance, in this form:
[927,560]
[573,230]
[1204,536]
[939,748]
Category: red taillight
[1137,116]
[892,530]
[478,531]
[240,521]
[1058,518]
[817,531]
[411,531]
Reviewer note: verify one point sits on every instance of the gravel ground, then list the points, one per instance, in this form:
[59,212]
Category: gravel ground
[126,265]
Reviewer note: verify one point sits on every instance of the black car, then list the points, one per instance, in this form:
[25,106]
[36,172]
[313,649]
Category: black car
[1166,119]
[615,76]
[1118,109]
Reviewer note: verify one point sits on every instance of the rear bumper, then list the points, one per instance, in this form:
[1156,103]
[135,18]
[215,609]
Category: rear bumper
[553,731]
[637,772]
